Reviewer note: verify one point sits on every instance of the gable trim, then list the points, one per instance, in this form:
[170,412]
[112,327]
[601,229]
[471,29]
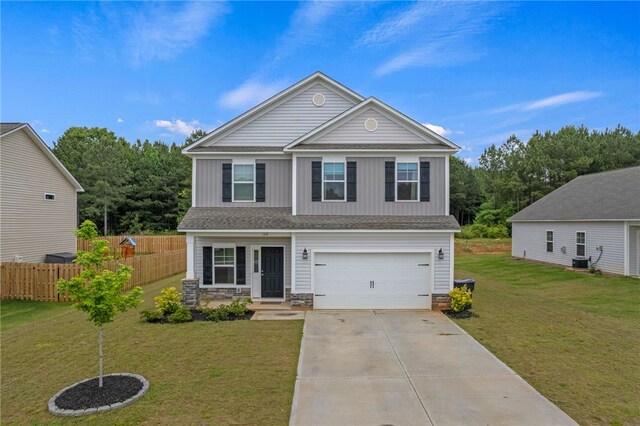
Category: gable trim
[403,120]
[47,151]
[273,101]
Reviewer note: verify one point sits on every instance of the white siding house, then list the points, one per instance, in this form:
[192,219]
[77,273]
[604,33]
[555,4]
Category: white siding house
[38,198]
[594,217]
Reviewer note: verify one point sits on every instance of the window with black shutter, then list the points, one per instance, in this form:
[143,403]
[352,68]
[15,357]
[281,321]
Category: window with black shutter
[351,181]
[316,181]
[260,182]
[425,181]
[226,182]
[241,268]
[389,181]
[207,266]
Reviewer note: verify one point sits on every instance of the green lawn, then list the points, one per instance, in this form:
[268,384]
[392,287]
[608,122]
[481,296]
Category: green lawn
[240,372]
[573,336]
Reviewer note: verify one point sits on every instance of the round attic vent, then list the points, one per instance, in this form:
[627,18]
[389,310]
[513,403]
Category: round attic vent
[318,99]
[371,124]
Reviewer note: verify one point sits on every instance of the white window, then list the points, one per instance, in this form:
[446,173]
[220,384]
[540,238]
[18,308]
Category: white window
[407,182]
[550,241]
[224,265]
[244,182]
[581,243]
[333,186]
[49,197]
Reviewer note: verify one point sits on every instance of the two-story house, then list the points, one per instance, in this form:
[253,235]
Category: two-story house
[324,198]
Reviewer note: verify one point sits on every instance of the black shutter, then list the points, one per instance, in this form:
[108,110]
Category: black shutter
[207,266]
[351,181]
[389,181]
[425,188]
[316,181]
[226,182]
[241,266]
[260,182]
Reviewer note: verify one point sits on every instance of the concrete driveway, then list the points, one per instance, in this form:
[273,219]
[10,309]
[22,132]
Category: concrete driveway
[407,368]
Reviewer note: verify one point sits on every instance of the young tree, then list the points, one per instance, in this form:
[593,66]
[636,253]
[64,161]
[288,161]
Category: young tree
[98,291]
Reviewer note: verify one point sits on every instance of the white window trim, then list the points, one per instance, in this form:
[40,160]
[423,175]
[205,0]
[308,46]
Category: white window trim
[44,196]
[213,266]
[585,242]
[344,181]
[553,241]
[395,188]
[233,182]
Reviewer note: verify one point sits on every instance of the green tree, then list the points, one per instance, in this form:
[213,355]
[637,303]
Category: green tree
[101,162]
[98,291]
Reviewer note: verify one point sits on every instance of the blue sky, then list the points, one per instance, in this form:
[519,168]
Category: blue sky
[477,71]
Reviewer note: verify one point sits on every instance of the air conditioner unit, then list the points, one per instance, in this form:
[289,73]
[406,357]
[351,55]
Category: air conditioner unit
[18,259]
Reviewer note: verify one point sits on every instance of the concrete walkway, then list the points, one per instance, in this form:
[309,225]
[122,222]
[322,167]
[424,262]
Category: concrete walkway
[407,368]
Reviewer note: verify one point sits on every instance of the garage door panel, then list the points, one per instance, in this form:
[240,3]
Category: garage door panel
[400,280]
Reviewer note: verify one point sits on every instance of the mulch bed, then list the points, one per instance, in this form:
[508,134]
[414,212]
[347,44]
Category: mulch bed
[89,395]
[197,315]
[460,315]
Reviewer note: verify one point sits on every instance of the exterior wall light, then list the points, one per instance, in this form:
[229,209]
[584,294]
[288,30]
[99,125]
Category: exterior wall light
[440,254]
[305,254]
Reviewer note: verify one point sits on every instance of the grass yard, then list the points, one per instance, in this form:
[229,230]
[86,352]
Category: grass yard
[575,337]
[239,372]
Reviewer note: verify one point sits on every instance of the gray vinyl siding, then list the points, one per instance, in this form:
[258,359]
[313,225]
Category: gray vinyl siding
[634,234]
[288,121]
[30,226]
[370,189]
[209,184]
[530,237]
[353,131]
[428,241]
[245,242]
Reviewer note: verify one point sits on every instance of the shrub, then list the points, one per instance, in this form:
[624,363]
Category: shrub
[218,314]
[460,299]
[182,314]
[239,307]
[169,301]
[478,230]
[498,231]
[151,315]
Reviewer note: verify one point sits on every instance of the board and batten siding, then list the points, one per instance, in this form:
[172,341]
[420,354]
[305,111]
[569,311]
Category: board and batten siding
[370,190]
[379,241]
[530,237]
[30,226]
[353,131]
[209,184]
[286,122]
[245,242]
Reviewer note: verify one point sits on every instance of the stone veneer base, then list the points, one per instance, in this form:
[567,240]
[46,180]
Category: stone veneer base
[56,411]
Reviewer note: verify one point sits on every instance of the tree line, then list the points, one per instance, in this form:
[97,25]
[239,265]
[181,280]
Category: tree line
[145,187]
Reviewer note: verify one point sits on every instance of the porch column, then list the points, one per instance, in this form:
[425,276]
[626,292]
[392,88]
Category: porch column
[191,258]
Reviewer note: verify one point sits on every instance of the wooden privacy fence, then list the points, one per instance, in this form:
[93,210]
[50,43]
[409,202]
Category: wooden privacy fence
[37,281]
[146,243]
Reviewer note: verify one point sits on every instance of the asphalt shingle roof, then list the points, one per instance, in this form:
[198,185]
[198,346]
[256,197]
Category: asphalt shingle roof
[613,195]
[7,127]
[259,218]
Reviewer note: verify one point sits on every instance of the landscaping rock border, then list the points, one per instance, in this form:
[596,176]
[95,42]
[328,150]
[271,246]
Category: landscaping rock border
[57,411]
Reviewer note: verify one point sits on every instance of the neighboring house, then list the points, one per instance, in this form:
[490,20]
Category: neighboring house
[38,198]
[594,217]
[323,197]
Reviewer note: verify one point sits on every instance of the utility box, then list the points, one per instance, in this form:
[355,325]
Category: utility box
[580,263]
[128,247]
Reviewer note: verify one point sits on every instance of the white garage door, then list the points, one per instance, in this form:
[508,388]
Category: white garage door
[372,280]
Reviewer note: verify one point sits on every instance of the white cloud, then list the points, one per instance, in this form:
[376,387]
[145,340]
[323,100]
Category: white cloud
[162,32]
[437,129]
[250,93]
[120,120]
[45,131]
[434,33]
[550,102]
[178,127]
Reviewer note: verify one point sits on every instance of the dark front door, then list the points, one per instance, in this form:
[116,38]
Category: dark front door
[272,272]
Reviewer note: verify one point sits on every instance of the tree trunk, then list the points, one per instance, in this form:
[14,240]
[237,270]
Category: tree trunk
[100,353]
[105,219]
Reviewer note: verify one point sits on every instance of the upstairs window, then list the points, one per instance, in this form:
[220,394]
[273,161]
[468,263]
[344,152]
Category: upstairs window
[407,182]
[333,181]
[49,197]
[549,241]
[581,240]
[243,182]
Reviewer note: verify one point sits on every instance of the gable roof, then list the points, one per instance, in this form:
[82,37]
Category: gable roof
[403,120]
[8,128]
[272,102]
[612,195]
